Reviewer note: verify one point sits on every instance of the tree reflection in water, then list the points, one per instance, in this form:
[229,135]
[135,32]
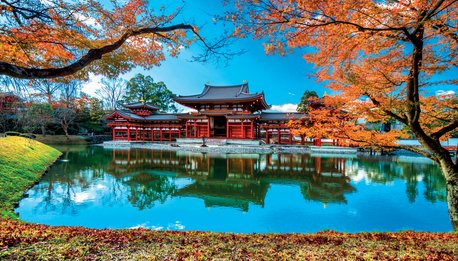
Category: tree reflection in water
[148,177]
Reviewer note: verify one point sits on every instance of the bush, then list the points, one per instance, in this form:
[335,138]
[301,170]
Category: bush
[12,133]
[28,135]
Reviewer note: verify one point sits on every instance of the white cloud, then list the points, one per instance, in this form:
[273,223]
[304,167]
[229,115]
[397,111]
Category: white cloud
[445,93]
[87,20]
[176,226]
[287,107]
[92,85]
[82,197]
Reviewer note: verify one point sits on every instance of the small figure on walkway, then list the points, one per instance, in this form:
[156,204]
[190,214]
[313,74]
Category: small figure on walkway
[203,142]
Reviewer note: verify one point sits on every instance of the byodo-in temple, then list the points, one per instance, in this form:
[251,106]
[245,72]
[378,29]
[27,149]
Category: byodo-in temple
[230,112]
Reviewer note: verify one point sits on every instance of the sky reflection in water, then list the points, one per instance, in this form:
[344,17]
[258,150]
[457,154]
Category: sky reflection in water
[104,188]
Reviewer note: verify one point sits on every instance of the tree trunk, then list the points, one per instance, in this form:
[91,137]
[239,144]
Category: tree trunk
[452,199]
[66,132]
[451,177]
[43,131]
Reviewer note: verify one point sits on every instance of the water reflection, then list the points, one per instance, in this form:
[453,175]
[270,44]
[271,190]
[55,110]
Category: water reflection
[232,180]
[229,180]
[148,179]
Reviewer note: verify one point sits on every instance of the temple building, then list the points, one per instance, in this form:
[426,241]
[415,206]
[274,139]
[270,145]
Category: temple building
[229,112]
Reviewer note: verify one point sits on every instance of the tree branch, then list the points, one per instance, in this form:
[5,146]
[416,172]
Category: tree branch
[453,125]
[91,56]
[390,113]
[413,149]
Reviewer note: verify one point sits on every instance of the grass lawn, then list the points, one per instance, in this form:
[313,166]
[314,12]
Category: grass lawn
[23,161]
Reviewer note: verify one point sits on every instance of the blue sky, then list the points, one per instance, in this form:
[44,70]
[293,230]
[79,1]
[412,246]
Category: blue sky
[283,79]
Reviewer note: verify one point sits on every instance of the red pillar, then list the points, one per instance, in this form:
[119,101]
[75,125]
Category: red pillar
[290,139]
[170,134]
[186,129]
[152,134]
[243,130]
[267,136]
[279,136]
[160,134]
[195,129]
[136,133]
[113,133]
[252,130]
[208,127]
[228,133]
[128,133]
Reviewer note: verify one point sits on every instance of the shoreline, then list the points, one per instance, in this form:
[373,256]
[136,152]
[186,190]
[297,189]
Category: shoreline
[22,240]
[231,148]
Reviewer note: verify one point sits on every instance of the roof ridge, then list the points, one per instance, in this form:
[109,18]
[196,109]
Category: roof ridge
[206,89]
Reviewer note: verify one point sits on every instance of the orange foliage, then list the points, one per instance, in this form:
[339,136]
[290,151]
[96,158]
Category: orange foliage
[55,34]
[382,51]
[338,120]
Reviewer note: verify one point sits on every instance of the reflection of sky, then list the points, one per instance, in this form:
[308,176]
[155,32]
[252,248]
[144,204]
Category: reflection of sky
[89,195]
[104,203]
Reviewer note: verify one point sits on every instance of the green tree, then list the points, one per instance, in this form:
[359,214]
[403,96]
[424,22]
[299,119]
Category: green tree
[142,87]
[89,114]
[305,100]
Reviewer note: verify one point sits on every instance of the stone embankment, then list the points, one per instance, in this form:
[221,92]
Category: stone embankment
[231,148]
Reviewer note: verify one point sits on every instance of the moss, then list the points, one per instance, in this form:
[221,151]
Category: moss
[22,162]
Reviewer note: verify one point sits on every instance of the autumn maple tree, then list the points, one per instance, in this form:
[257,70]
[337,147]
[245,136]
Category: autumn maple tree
[53,38]
[380,57]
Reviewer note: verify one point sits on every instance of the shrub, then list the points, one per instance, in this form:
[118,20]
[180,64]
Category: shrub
[12,133]
[28,135]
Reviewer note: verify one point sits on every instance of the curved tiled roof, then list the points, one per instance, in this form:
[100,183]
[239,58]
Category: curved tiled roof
[124,114]
[163,117]
[232,93]
[139,105]
[281,116]
[153,117]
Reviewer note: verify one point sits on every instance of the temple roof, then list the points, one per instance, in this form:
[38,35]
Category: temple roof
[123,114]
[163,117]
[141,105]
[153,117]
[281,116]
[227,94]
[190,116]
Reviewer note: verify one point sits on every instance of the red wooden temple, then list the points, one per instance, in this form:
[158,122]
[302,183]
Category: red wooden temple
[142,122]
[230,112]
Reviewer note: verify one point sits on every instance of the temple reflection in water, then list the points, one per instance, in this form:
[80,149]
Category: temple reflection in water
[229,180]
[280,193]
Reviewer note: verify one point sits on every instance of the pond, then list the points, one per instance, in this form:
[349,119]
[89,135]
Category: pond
[127,188]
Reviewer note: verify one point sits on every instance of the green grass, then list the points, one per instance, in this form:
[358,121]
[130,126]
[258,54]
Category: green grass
[22,162]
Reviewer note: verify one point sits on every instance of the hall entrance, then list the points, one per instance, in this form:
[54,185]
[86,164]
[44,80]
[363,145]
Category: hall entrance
[218,126]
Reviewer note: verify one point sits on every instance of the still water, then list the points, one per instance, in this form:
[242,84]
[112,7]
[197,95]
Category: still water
[127,188]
